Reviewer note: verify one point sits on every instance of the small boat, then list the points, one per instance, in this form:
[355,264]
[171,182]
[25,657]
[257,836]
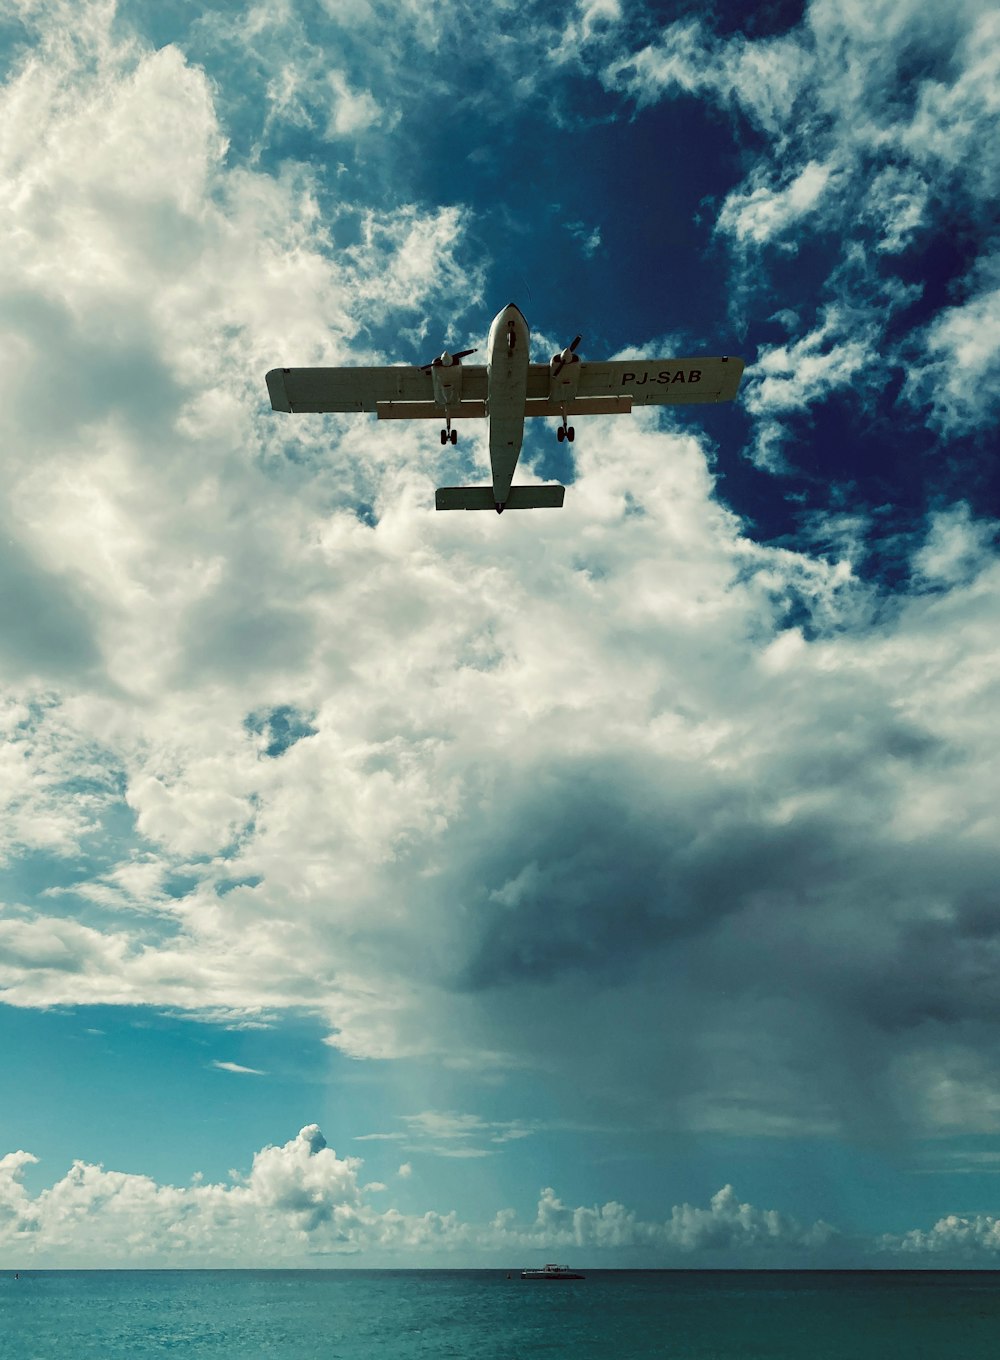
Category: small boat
[551,1272]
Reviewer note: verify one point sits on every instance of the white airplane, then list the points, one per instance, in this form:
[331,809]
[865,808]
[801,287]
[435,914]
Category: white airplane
[504,392]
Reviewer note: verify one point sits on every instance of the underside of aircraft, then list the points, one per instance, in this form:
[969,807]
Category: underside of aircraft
[505,391]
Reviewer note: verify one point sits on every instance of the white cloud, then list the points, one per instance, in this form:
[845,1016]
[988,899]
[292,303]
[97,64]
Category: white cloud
[870,113]
[293,1195]
[597,17]
[957,547]
[764,77]
[54,946]
[969,1239]
[898,201]
[445,1124]
[16,1209]
[453,897]
[591,24]
[300,1203]
[960,376]
[283,52]
[442,1133]
[54,783]
[792,377]
[418,249]
[589,238]
[762,213]
[236,1067]
[726,1226]
[353,111]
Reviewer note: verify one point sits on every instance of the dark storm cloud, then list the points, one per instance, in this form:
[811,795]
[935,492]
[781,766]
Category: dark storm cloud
[780,946]
[594,866]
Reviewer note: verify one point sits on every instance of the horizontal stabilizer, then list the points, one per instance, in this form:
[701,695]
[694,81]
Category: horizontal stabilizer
[481,498]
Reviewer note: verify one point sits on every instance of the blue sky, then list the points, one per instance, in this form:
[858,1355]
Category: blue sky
[616,884]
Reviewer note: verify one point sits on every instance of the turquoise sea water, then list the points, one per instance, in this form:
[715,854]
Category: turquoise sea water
[400,1315]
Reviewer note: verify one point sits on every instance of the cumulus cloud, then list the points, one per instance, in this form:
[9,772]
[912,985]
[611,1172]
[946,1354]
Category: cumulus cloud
[301,1203]
[726,1227]
[16,1210]
[956,1239]
[291,1194]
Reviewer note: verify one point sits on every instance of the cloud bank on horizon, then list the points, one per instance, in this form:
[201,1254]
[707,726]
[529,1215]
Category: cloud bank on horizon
[302,1204]
[276,738]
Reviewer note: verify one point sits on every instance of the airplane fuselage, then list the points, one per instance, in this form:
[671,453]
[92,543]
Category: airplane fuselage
[506,387]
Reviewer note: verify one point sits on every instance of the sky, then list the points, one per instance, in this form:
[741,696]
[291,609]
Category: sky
[616,884]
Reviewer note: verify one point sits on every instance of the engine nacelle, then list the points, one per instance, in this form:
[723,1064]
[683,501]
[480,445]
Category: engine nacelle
[564,375]
[446,374]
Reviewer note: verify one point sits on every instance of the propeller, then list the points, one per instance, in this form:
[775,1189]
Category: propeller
[564,357]
[445,360]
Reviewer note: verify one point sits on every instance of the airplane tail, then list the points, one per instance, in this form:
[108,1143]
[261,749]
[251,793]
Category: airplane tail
[481,498]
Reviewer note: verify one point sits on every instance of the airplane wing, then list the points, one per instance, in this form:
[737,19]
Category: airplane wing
[362,389]
[650,381]
[405,392]
[661,381]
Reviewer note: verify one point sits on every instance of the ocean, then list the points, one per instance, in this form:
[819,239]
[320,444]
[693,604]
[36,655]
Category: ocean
[403,1314]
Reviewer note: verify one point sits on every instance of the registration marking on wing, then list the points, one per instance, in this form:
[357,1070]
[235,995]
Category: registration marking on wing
[665,375]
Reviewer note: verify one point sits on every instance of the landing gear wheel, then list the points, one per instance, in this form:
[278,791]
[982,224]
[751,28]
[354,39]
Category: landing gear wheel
[570,434]
[454,436]
[444,436]
[561,433]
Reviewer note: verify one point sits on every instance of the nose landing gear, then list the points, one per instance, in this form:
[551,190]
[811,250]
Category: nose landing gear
[448,435]
[565,432]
